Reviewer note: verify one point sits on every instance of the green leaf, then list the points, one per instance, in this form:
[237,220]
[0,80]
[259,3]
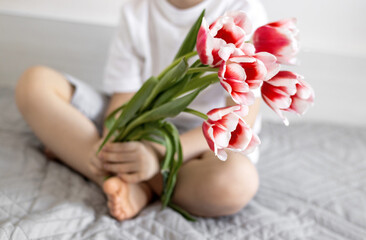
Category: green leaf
[190,41]
[200,82]
[109,122]
[173,133]
[168,80]
[165,166]
[170,109]
[169,189]
[131,108]
[182,212]
[172,91]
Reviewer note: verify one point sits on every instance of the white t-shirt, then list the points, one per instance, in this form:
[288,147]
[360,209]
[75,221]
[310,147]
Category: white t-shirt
[150,33]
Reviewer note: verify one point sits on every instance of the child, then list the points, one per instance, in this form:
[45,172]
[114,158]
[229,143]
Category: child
[67,116]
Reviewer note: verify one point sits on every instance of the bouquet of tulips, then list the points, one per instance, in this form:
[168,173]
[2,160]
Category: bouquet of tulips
[240,66]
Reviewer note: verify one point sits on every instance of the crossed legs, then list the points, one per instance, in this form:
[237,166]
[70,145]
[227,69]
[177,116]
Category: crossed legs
[205,186]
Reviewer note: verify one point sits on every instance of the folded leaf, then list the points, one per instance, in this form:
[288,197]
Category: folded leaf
[172,92]
[170,109]
[131,108]
[168,80]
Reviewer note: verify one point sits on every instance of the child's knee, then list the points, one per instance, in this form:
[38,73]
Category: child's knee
[30,81]
[238,182]
[228,187]
[32,85]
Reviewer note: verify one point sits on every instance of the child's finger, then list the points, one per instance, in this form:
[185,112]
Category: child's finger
[97,169]
[117,157]
[122,147]
[120,168]
[131,177]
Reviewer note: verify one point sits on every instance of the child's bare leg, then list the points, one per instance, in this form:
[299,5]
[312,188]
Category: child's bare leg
[209,187]
[43,97]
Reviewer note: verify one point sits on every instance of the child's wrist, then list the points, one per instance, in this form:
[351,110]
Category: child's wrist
[157,149]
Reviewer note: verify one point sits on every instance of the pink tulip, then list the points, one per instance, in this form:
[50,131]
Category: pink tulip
[279,38]
[232,27]
[239,75]
[303,99]
[218,42]
[226,129]
[287,91]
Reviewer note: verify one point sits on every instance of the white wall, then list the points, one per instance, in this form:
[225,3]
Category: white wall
[332,33]
[101,12]
[326,25]
[336,26]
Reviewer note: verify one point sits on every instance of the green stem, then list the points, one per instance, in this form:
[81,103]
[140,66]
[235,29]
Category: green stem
[182,212]
[196,113]
[199,82]
[202,69]
[173,64]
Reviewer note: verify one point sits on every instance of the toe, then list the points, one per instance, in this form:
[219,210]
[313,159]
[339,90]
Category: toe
[120,216]
[112,186]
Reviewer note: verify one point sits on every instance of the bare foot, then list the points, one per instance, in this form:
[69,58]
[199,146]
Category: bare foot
[126,200]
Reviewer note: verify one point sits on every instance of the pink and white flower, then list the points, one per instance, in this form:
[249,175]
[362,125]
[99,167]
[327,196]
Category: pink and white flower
[226,129]
[287,91]
[239,75]
[218,41]
[303,99]
[232,27]
[278,38]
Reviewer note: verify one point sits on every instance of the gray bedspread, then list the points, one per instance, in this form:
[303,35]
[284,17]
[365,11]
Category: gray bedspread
[313,186]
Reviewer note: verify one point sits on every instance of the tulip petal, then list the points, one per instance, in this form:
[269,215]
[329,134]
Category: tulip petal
[237,86]
[221,154]
[255,70]
[226,51]
[208,48]
[229,122]
[304,90]
[240,138]
[248,49]
[275,109]
[254,84]
[280,39]
[244,98]
[230,33]
[235,71]
[270,62]
[221,136]
[253,144]
[203,42]
[277,96]
[243,111]
[285,81]
[208,134]
[299,106]
[241,20]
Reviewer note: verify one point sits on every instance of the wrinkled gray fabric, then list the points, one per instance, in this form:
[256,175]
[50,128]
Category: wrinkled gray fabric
[313,186]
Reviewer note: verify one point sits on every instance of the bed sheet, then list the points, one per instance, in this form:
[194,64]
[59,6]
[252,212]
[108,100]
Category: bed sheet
[313,186]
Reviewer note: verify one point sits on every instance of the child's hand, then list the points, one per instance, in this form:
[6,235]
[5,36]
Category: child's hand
[96,164]
[133,162]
